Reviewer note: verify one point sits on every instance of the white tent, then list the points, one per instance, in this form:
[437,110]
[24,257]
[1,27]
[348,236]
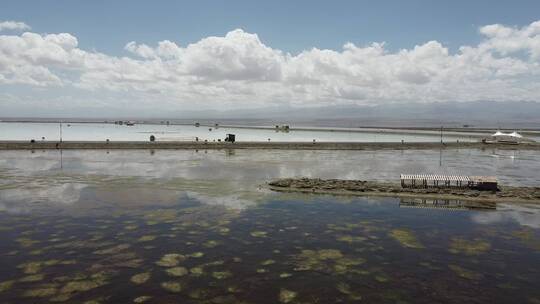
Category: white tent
[513,137]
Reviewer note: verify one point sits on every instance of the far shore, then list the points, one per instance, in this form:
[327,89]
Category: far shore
[201,145]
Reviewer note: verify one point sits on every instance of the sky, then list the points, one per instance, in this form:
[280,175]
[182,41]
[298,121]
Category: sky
[157,57]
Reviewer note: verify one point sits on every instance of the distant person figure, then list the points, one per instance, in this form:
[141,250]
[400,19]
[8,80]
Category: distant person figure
[43,138]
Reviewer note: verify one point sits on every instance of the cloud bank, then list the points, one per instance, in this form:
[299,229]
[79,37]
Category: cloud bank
[239,70]
[13,26]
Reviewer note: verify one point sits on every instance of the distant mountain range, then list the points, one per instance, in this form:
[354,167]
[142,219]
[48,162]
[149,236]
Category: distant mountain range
[475,114]
[487,114]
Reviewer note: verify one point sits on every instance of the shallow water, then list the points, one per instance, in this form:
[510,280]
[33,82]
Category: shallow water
[193,227]
[142,132]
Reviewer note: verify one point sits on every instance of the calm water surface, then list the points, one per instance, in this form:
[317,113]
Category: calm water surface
[142,132]
[195,227]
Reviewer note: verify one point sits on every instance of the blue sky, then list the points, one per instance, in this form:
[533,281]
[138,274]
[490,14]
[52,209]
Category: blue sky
[76,57]
[287,25]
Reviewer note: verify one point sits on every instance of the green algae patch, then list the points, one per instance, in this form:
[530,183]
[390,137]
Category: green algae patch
[147,238]
[224,230]
[40,292]
[112,250]
[26,242]
[177,271]
[131,227]
[197,271]
[36,266]
[211,244]
[528,238]
[172,286]
[161,216]
[140,278]
[262,270]
[197,255]
[326,260]
[81,283]
[141,299]
[32,278]
[286,296]
[259,234]
[268,262]
[221,275]
[171,260]
[381,278]
[474,247]
[406,238]
[199,294]
[465,273]
[351,239]
[6,285]
[285,275]
[345,289]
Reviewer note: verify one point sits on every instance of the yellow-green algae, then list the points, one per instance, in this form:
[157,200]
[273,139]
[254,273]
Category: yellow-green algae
[350,238]
[177,271]
[161,215]
[26,242]
[33,278]
[141,299]
[220,275]
[197,255]
[6,285]
[147,238]
[91,282]
[112,250]
[36,266]
[268,262]
[171,260]
[211,244]
[381,278]
[172,286]
[285,275]
[199,294]
[327,260]
[140,278]
[474,247]
[258,233]
[197,271]
[406,238]
[527,236]
[131,227]
[345,288]
[42,291]
[286,296]
[465,273]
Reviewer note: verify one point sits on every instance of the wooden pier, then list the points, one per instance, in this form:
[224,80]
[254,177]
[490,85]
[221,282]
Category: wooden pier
[448,181]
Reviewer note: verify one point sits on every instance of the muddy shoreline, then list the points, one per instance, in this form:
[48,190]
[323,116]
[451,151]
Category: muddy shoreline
[371,188]
[192,145]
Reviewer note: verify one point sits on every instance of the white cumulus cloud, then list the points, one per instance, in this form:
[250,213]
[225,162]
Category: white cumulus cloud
[240,70]
[14,26]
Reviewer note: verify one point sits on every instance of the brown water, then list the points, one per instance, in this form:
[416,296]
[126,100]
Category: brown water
[193,227]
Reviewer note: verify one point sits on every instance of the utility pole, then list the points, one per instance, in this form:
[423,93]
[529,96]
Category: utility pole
[60,132]
[441,134]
